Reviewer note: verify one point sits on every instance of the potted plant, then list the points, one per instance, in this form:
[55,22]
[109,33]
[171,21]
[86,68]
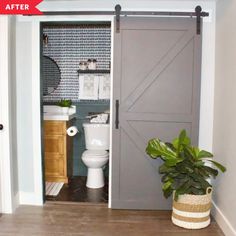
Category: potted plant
[65,104]
[185,174]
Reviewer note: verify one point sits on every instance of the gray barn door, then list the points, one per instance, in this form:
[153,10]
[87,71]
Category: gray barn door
[157,83]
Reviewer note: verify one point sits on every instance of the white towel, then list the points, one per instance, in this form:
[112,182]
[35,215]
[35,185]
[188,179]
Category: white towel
[104,86]
[88,87]
[101,118]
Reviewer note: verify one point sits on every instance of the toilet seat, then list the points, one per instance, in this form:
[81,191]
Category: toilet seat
[95,158]
[95,153]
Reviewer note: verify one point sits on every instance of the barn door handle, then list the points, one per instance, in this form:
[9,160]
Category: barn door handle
[117,115]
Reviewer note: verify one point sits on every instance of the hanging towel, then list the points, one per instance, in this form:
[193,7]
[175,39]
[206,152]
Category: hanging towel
[88,87]
[101,118]
[104,86]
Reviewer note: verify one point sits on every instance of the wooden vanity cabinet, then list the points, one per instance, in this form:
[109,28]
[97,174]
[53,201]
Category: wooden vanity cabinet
[57,151]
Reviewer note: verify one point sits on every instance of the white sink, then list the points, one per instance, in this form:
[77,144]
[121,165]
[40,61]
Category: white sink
[52,112]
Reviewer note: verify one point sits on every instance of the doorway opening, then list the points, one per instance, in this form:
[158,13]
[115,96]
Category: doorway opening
[75,97]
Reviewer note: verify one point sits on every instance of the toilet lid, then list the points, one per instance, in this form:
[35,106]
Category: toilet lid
[95,153]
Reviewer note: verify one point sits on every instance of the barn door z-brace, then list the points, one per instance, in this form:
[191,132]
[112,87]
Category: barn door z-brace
[198,14]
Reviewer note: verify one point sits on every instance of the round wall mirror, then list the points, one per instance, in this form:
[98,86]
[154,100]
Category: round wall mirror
[51,75]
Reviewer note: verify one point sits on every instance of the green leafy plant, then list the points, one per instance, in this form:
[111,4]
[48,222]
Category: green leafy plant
[186,168]
[64,103]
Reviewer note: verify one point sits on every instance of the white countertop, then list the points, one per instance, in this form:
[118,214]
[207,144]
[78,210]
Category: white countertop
[55,113]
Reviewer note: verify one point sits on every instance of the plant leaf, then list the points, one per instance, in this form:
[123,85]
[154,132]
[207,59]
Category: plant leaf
[163,169]
[211,171]
[201,180]
[199,163]
[218,165]
[156,148]
[203,154]
[192,151]
[196,184]
[165,178]
[197,191]
[166,185]
[153,148]
[168,192]
[183,189]
[180,142]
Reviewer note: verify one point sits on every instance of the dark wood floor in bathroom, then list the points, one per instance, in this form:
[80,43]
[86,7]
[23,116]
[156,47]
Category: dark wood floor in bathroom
[76,191]
[75,219]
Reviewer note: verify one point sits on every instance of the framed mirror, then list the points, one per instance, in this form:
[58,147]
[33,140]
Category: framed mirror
[51,75]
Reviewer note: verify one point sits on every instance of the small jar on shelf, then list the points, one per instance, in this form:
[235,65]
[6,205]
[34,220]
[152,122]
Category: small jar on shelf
[92,64]
[83,65]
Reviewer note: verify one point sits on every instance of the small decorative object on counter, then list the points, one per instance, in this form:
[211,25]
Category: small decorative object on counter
[92,64]
[65,104]
[83,65]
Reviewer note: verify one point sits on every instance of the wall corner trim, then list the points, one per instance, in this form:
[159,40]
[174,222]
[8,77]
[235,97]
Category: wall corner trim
[222,220]
[30,198]
[16,201]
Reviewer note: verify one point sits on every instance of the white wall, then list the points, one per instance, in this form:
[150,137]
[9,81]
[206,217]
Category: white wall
[8,153]
[27,57]
[225,115]
[24,57]
[12,100]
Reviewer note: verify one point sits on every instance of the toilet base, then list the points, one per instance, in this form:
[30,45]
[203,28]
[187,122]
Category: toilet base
[95,178]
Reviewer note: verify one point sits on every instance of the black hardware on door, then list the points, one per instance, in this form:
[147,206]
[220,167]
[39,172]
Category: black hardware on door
[198,11]
[117,114]
[1,127]
[117,12]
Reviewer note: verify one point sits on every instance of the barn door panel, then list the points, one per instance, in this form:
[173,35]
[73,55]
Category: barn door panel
[157,85]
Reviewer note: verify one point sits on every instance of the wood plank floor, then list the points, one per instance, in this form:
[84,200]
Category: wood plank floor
[93,220]
[76,191]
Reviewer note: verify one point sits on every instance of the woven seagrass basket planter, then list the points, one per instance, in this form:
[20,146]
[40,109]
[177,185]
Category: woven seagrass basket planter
[192,211]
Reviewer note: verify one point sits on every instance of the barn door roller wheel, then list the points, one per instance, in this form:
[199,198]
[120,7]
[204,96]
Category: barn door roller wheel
[1,127]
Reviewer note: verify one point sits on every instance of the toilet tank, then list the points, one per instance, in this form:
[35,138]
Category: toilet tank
[97,136]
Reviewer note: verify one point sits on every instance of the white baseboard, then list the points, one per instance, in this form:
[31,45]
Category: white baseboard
[222,221]
[9,209]
[30,198]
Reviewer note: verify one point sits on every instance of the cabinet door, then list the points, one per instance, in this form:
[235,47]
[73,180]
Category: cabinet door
[55,158]
[54,144]
[54,166]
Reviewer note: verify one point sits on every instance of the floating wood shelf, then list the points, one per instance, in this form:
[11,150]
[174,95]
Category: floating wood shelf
[94,71]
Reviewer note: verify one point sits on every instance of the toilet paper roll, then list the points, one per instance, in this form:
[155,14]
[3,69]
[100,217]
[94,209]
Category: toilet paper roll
[72,131]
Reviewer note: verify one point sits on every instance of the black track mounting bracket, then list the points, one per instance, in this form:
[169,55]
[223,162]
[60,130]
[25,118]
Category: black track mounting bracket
[198,11]
[117,11]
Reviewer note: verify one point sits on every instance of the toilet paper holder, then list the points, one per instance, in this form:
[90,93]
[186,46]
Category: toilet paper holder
[72,131]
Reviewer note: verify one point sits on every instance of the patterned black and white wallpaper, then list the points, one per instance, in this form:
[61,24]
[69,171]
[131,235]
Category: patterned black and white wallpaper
[70,44]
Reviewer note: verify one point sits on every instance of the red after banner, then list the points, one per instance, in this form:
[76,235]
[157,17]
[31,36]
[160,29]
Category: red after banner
[20,7]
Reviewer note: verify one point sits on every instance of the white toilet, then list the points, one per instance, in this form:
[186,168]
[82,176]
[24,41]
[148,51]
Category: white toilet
[96,155]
